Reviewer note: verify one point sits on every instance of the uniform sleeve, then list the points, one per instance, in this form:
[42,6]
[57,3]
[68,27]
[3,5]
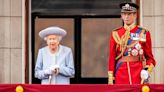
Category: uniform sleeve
[112,53]
[68,70]
[39,72]
[148,50]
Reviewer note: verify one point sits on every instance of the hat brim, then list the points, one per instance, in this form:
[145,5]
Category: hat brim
[123,11]
[52,31]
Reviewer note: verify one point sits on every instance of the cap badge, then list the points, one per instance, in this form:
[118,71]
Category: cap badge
[127,5]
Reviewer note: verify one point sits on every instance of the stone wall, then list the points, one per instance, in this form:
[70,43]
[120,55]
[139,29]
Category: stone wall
[10,41]
[153,19]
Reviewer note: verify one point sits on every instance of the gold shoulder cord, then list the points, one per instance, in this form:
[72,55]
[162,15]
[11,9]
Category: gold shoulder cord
[122,42]
[118,41]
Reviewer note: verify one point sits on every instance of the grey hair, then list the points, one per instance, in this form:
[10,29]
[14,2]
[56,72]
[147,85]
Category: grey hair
[45,38]
[59,38]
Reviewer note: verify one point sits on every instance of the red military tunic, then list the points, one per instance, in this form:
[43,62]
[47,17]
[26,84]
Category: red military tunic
[129,73]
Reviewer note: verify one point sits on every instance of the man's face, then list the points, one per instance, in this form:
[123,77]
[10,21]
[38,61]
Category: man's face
[53,41]
[128,17]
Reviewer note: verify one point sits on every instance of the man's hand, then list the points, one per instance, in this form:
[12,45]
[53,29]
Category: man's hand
[110,77]
[144,74]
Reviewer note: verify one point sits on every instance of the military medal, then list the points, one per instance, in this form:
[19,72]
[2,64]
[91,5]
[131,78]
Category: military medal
[138,46]
[129,49]
[134,36]
[141,51]
[134,52]
[143,38]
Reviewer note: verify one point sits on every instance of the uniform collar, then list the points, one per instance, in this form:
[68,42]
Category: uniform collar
[129,27]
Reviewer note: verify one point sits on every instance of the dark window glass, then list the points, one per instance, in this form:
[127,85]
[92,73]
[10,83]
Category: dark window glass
[95,45]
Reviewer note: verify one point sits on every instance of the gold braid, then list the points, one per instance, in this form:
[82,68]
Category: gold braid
[123,41]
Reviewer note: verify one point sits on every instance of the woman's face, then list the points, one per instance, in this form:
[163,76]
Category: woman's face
[53,41]
[128,17]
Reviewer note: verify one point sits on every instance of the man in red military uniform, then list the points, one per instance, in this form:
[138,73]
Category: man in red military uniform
[130,45]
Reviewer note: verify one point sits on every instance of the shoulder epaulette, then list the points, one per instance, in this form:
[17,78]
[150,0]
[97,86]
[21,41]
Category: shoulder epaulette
[143,28]
[117,28]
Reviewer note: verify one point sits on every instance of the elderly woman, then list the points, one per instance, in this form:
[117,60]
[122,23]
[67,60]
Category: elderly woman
[54,63]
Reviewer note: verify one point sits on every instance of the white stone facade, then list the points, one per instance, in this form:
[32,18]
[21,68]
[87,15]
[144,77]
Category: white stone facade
[153,19]
[10,41]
